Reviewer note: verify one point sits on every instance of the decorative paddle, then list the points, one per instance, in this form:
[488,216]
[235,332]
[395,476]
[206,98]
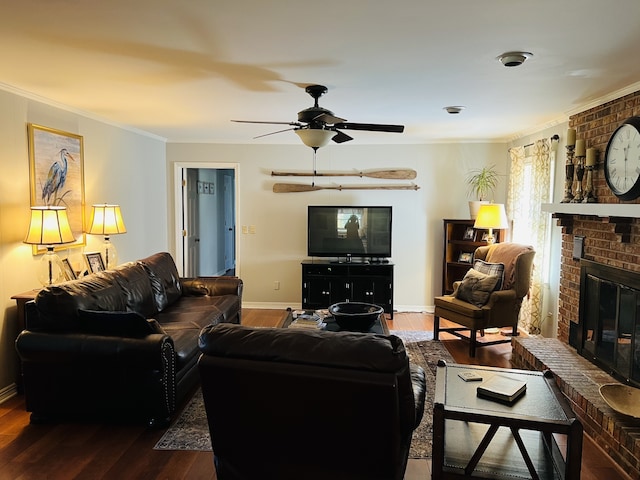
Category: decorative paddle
[397,174]
[301,187]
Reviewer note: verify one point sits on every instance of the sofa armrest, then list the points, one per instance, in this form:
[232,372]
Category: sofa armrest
[212,286]
[138,352]
[501,296]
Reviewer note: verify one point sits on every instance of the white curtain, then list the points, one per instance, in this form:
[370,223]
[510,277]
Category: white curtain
[530,186]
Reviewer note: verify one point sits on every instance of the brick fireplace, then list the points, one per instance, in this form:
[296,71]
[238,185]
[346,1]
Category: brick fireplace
[611,232]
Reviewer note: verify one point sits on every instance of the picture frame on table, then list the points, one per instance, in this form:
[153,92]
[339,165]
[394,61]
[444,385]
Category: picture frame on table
[483,236]
[94,261]
[465,257]
[469,234]
[68,269]
[56,174]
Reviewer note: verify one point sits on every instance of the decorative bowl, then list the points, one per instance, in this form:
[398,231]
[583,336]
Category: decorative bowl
[355,316]
[622,398]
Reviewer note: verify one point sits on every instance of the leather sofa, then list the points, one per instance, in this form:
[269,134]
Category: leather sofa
[288,403]
[121,344]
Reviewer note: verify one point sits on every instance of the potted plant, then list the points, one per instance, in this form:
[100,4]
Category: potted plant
[481,182]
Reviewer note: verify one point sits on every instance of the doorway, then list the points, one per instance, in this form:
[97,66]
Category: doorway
[206,209]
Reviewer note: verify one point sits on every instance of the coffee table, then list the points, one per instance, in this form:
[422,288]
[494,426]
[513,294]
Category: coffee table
[379,326]
[475,437]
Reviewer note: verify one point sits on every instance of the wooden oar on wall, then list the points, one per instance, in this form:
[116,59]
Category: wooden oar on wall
[301,187]
[396,174]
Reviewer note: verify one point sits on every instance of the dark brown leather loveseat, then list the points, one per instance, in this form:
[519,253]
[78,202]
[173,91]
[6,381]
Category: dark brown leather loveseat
[288,404]
[120,344]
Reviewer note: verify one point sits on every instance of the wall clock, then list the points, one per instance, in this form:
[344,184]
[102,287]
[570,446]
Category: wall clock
[622,160]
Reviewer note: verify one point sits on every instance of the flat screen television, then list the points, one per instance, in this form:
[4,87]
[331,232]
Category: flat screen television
[349,231]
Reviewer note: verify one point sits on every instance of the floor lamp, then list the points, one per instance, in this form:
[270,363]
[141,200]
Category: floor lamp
[49,226]
[107,220]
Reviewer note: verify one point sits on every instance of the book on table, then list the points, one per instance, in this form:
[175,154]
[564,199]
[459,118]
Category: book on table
[502,388]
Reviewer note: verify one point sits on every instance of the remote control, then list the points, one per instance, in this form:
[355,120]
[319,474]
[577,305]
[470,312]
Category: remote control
[470,376]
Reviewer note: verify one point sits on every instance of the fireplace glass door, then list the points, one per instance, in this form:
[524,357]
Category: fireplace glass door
[610,316]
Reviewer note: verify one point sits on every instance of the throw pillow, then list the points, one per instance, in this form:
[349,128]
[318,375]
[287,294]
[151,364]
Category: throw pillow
[476,287]
[119,324]
[487,268]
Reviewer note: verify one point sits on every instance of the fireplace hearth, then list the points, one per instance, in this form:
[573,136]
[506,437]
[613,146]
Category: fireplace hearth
[608,332]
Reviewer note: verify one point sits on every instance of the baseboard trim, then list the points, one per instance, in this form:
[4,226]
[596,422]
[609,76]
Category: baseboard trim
[8,392]
[295,306]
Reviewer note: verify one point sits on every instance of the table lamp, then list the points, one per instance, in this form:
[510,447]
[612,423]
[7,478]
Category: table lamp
[49,226]
[107,220]
[490,216]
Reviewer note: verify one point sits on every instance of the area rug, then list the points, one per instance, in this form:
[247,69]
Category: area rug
[191,432]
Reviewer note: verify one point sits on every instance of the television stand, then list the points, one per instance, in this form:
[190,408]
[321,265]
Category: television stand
[325,282]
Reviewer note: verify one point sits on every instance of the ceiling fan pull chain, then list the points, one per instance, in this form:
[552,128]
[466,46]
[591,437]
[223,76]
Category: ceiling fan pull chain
[313,179]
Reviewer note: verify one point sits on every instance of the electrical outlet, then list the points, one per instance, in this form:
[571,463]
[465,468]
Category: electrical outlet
[245,229]
[252,229]
[276,285]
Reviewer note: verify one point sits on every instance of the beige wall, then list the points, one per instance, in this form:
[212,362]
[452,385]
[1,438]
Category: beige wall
[274,253]
[136,171]
[120,166]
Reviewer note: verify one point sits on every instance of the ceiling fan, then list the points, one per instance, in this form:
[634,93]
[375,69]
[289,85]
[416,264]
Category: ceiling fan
[316,125]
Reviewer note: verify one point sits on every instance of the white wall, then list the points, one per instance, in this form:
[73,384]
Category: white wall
[120,166]
[275,251]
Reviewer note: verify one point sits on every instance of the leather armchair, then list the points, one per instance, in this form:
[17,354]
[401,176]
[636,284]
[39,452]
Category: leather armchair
[290,404]
[503,306]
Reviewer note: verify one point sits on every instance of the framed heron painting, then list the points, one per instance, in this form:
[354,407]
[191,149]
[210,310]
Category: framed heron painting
[56,170]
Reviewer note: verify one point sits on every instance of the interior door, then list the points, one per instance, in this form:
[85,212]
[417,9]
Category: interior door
[229,223]
[192,225]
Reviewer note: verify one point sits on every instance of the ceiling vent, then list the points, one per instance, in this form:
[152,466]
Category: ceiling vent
[514,59]
[454,110]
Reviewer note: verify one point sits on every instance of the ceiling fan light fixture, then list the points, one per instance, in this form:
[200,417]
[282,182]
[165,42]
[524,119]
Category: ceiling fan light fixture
[315,137]
[514,59]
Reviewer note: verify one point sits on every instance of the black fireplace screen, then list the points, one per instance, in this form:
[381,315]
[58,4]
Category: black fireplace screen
[610,319]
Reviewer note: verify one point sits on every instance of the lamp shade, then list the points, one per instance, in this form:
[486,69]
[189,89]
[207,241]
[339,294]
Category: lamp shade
[492,215]
[106,220]
[49,226]
[315,137]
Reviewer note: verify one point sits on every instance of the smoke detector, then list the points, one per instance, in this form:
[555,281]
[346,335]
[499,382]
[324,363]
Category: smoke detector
[514,59]
[454,109]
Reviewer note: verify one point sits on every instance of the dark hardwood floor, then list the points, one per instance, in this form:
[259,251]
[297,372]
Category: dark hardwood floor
[94,451]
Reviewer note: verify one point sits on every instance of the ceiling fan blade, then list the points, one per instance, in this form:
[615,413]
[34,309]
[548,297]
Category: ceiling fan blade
[330,119]
[273,133]
[372,127]
[293,124]
[341,137]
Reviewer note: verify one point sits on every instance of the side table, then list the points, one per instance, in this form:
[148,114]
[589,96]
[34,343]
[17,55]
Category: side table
[21,299]
[475,437]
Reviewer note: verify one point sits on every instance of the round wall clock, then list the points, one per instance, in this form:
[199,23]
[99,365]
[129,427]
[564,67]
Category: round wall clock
[622,160]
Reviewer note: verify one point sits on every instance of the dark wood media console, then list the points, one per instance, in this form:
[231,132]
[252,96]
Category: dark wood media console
[325,283]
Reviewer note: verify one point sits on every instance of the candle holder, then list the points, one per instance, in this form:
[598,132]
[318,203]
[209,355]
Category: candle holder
[578,197]
[589,196]
[568,182]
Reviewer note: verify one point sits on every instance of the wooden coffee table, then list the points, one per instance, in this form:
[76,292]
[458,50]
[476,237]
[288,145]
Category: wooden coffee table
[478,438]
[379,326]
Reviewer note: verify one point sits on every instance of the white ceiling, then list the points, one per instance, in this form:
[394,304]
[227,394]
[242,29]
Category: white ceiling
[182,70]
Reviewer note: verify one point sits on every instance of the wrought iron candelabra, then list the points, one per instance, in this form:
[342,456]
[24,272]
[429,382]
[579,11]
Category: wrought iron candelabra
[579,197]
[568,182]
[589,196]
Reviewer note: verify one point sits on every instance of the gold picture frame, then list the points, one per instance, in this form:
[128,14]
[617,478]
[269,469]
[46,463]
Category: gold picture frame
[56,171]
[68,269]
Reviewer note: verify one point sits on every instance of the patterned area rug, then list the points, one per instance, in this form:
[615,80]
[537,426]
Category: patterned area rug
[190,430]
